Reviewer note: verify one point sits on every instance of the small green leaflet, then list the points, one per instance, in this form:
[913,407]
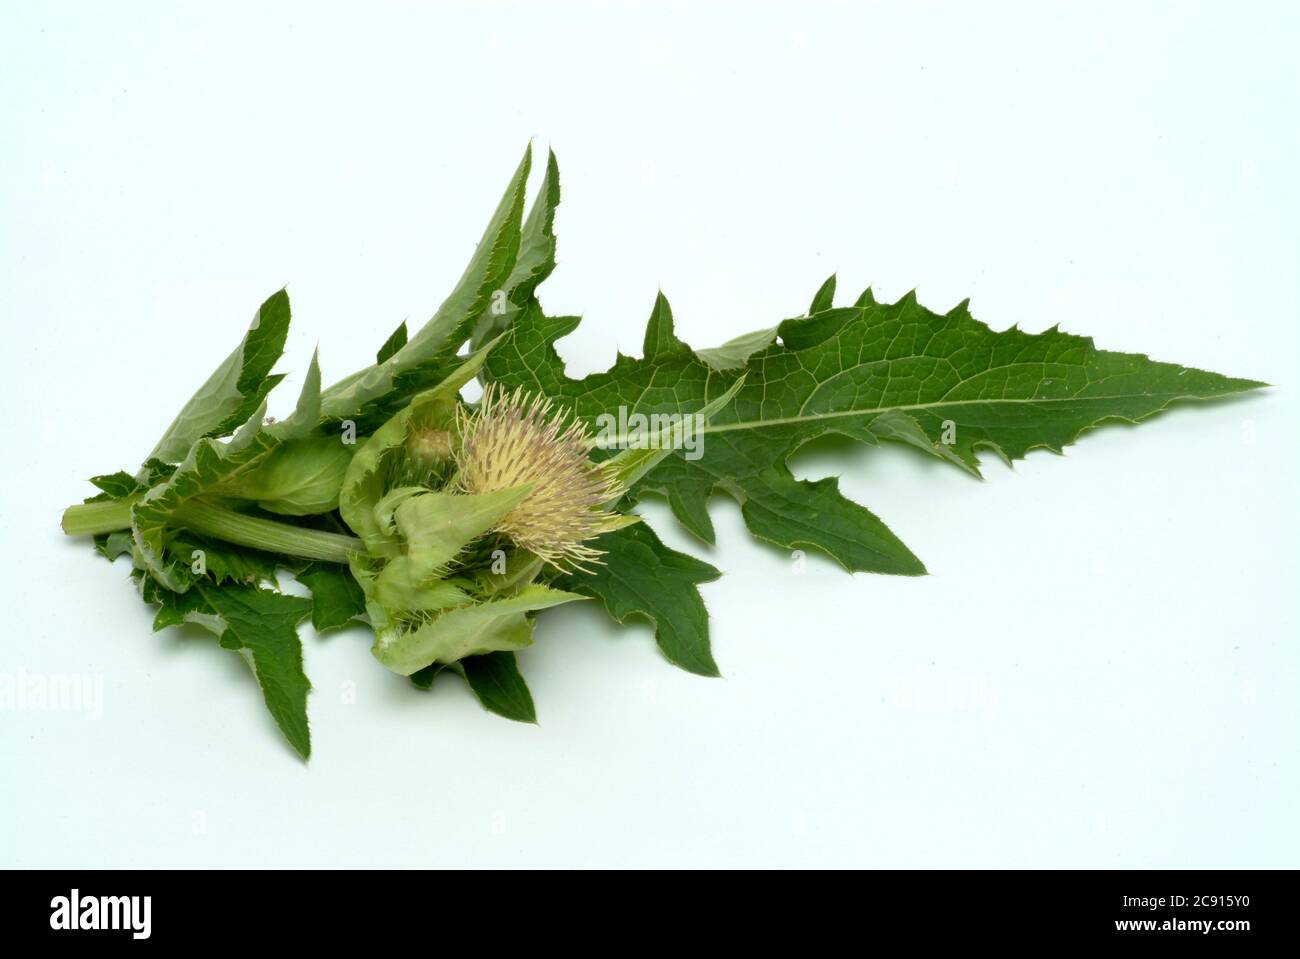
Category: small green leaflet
[944,383]
[735,353]
[123,486]
[394,343]
[493,678]
[824,298]
[336,597]
[496,681]
[117,485]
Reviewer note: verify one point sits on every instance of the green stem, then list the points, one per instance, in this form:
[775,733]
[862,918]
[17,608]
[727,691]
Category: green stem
[89,519]
[223,524]
[266,534]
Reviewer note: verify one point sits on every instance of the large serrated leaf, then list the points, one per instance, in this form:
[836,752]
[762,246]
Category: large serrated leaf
[944,383]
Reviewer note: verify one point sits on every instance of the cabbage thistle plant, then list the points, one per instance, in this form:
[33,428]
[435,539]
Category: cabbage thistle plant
[447,526]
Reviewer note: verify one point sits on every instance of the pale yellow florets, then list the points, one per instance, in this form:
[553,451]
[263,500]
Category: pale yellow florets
[517,438]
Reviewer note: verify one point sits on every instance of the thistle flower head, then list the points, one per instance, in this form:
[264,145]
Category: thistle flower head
[425,459]
[518,438]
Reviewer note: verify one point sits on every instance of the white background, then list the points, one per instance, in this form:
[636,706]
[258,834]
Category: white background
[1102,668]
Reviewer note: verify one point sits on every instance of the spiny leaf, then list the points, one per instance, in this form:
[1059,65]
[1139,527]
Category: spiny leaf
[121,486]
[946,384]
[175,609]
[264,624]
[261,625]
[640,576]
[236,388]
[1008,391]
[373,390]
[534,263]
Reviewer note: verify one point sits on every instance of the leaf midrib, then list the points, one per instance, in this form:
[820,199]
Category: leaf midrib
[789,420]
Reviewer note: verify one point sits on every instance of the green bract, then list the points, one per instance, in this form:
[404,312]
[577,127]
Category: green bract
[446,526]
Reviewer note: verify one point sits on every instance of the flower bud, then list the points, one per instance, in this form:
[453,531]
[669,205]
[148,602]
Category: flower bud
[429,447]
